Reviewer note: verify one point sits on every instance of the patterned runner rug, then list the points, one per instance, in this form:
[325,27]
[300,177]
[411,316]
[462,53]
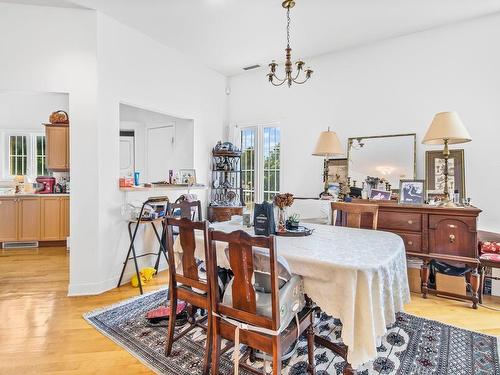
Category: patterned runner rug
[412,345]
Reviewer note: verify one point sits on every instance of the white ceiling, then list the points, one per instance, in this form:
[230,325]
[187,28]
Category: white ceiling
[228,35]
[50,3]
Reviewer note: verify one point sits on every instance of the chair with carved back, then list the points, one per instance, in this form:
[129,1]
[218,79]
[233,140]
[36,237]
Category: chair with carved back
[352,213]
[240,322]
[187,284]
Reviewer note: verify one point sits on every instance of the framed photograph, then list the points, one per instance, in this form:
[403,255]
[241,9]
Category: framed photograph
[434,172]
[380,195]
[412,191]
[187,176]
[337,171]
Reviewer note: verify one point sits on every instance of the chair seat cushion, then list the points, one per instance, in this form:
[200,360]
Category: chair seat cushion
[490,247]
[490,257]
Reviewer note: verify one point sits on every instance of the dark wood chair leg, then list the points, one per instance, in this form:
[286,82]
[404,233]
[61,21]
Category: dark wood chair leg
[310,347]
[191,311]
[171,324]
[475,281]
[208,347]
[481,284]
[215,347]
[424,276]
[277,356]
[348,369]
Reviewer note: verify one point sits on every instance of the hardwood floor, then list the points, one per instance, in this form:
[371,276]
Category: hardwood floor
[42,330]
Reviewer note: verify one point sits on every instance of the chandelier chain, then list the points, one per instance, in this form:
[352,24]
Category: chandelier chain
[288,27]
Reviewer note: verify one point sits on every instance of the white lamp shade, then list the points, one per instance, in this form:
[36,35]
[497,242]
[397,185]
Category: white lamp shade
[328,145]
[446,126]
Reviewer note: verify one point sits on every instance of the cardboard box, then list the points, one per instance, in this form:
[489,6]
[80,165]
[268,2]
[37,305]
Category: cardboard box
[451,284]
[414,280]
[495,284]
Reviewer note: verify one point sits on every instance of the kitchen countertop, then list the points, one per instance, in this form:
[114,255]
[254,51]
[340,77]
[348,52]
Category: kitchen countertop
[162,187]
[20,195]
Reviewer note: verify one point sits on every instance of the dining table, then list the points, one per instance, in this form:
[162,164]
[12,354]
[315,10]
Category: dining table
[356,275]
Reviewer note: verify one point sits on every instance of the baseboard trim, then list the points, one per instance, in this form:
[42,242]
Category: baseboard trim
[92,289]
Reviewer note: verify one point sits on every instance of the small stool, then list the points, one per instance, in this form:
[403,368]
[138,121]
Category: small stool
[153,201]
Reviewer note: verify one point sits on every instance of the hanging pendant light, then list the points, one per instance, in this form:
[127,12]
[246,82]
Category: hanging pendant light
[289,74]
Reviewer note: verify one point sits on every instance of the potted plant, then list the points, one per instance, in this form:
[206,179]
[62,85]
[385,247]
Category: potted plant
[292,222]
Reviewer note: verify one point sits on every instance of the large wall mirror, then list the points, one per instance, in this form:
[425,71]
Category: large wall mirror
[391,157]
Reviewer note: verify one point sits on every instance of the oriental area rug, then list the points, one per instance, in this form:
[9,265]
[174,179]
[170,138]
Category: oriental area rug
[412,345]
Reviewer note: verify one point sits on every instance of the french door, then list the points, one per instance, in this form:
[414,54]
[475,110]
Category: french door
[260,162]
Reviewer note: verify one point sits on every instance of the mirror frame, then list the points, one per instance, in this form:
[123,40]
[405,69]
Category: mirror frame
[350,140]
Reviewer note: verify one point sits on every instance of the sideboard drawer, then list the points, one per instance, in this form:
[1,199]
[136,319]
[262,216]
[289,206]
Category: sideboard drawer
[397,221]
[413,242]
[465,221]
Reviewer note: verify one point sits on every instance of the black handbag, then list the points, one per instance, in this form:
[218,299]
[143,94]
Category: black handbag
[263,219]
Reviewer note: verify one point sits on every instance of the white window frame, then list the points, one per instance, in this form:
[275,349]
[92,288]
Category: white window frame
[259,171]
[31,151]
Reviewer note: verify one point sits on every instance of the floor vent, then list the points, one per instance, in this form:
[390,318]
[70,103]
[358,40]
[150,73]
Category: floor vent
[19,245]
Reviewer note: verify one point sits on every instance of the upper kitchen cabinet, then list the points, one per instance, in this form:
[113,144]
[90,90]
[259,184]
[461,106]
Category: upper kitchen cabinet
[57,152]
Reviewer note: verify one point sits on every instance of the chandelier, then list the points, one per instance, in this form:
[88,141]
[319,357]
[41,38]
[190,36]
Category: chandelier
[289,78]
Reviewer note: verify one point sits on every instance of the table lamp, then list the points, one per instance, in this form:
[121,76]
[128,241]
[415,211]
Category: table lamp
[446,129]
[328,145]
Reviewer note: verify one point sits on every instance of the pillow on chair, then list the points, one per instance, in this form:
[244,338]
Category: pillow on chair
[261,265]
[490,247]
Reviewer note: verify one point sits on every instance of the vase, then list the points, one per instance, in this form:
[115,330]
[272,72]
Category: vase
[282,220]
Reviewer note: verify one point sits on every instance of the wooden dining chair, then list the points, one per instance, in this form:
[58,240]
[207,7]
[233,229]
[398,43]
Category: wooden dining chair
[186,209]
[240,322]
[187,285]
[352,213]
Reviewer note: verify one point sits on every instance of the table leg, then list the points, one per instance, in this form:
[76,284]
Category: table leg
[339,349]
[475,281]
[424,277]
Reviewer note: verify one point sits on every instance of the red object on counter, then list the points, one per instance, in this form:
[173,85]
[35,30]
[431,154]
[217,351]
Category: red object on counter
[126,182]
[48,184]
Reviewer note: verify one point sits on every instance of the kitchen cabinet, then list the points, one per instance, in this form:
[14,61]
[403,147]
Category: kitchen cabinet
[28,219]
[8,219]
[34,218]
[55,218]
[64,217]
[57,147]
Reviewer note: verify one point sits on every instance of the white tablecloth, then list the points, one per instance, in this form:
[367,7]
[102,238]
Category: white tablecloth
[356,275]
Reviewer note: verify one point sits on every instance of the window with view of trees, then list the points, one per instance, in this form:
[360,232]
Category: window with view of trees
[18,155]
[260,163]
[41,169]
[25,155]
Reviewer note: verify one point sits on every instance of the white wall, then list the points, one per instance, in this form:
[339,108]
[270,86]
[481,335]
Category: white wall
[54,50]
[28,110]
[132,68]
[136,70]
[395,86]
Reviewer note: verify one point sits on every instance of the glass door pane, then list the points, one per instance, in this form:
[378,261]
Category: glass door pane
[248,162]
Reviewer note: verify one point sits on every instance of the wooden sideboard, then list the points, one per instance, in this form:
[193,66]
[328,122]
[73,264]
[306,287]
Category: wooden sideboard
[430,232]
[223,213]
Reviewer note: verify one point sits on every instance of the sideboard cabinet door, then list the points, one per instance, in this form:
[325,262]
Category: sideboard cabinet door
[453,235]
